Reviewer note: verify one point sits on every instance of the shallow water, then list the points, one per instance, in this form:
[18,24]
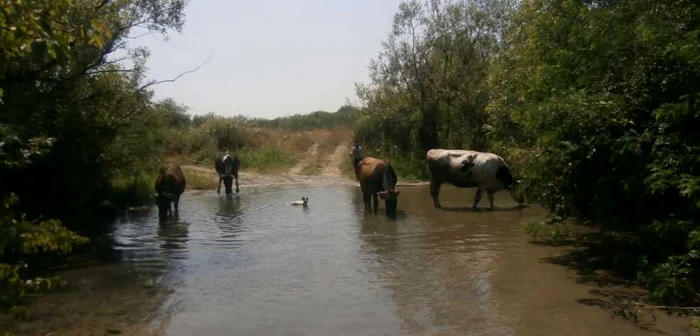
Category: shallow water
[255,265]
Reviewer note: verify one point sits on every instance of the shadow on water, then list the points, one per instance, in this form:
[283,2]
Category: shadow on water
[470,209]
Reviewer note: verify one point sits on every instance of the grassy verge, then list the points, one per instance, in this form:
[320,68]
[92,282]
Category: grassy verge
[197,180]
[133,190]
[266,160]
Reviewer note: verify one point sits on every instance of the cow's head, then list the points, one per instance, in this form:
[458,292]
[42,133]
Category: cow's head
[391,199]
[228,183]
[512,189]
[163,203]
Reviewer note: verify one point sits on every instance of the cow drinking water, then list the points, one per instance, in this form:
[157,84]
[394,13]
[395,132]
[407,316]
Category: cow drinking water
[170,184]
[227,167]
[378,177]
[469,169]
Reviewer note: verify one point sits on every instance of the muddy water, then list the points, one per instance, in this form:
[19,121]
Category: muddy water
[254,265]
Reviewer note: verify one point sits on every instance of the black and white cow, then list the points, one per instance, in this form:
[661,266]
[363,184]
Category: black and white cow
[227,167]
[469,169]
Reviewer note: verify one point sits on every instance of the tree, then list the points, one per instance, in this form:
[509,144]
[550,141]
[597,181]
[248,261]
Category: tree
[63,78]
[603,94]
[431,76]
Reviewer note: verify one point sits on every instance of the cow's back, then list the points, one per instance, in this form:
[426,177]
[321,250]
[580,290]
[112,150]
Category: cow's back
[445,166]
[171,180]
[370,172]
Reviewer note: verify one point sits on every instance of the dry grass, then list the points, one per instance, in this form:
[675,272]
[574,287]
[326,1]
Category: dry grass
[198,180]
[274,151]
[329,140]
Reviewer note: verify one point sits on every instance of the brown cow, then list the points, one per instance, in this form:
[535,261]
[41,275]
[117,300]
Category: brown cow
[170,184]
[378,176]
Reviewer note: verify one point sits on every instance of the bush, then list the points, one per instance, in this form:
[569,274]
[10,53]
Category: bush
[266,160]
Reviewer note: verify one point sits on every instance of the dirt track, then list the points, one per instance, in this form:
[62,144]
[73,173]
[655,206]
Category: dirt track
[330,174]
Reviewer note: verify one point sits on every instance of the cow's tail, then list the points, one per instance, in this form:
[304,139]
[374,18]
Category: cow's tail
[504,175]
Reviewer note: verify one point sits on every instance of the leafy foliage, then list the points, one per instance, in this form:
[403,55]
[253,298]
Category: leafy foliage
[62,86]
[429,84]
[344,116]
[604,94]
[21,239]
[592,103]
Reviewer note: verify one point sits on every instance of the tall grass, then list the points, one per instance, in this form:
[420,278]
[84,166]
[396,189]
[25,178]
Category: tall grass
[266,160]
[197,180]
[133,190]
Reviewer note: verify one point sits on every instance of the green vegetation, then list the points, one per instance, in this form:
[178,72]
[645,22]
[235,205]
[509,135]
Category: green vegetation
[198,180]
[345,116]
[592,103]
[62,88]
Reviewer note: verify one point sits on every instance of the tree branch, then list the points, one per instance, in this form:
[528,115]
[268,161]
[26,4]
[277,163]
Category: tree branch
[155,82]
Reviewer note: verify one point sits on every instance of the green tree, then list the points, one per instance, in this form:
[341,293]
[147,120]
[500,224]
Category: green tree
[429,84]
[66,79]
[602,94]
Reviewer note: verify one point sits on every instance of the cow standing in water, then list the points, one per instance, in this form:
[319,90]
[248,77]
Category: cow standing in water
[469,169]
[378,177]
[227,167]
[170,184]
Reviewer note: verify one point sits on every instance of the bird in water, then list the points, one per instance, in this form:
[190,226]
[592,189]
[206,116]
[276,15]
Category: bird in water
[304,201]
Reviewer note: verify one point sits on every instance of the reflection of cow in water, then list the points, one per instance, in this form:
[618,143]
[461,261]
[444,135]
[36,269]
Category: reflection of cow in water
[170,184]
[227,167]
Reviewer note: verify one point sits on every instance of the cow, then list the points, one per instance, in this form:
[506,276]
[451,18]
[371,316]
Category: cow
[469,169]
[227,167]
[378,177]
[170,184]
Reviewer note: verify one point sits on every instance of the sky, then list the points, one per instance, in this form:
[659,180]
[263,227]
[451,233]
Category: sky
[269,58]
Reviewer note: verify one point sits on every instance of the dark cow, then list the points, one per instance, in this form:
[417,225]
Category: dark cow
[378,176]
[227,167]
[170,184]
[469,169]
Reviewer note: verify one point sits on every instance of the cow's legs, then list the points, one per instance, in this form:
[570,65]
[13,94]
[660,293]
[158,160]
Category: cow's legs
[218,189]
[435,192]
[236,176]
[375,197]
[365,197]
[490,194]
[477,197]
[177,205]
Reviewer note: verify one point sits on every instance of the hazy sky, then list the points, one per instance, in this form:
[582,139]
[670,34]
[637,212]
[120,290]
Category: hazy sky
[270,58]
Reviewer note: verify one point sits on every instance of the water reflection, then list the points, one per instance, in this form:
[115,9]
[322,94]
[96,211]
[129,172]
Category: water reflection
[435,266]
[229,206]
[173,234]
[254,264]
